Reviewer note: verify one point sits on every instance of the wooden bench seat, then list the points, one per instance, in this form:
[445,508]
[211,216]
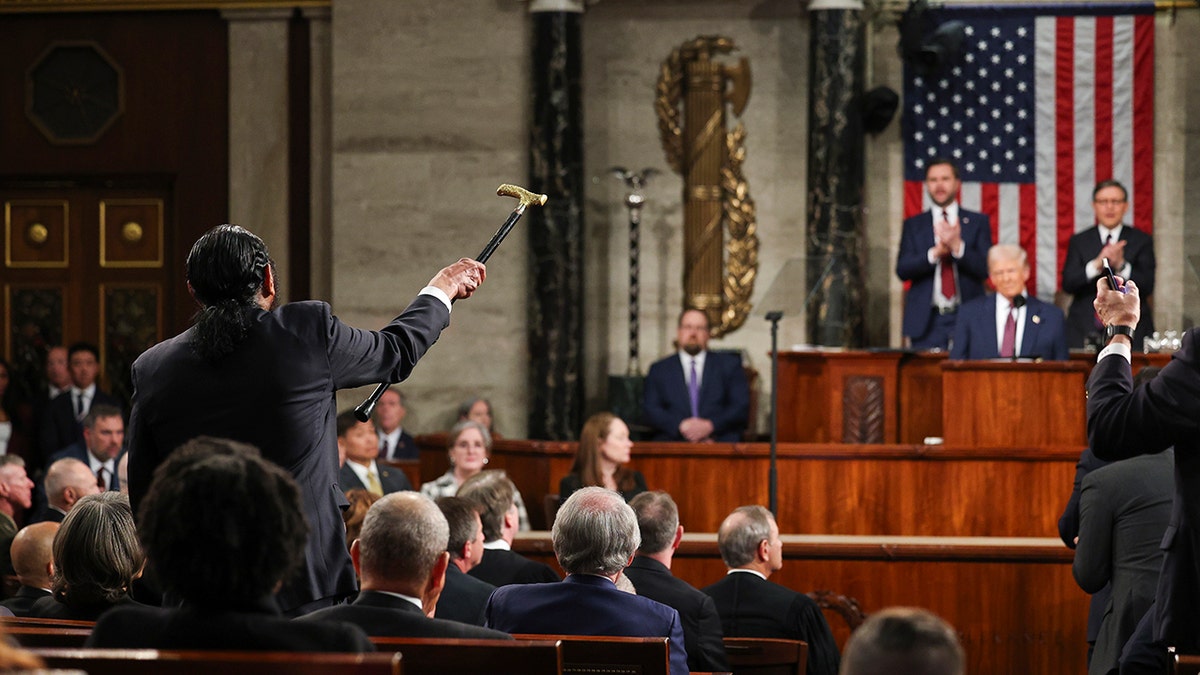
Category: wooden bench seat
[766,656]
[154,662]
[605,655]
[435,656]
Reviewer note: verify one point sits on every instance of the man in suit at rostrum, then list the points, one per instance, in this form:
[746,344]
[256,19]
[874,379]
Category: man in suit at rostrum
[401,557]
[1123,422]
[650,572]
[595,535]
[696,395]
[253,372]
[943,256]
[1130,253]
[357,440]
[1009,323]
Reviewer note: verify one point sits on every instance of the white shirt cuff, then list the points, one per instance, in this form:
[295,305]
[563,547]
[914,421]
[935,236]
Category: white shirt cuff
[439,294]
[1116,348]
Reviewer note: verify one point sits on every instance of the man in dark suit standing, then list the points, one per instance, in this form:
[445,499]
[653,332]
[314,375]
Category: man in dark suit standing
[595,536]
[493,492]
[943,256]
[402,560]
[101,447]
[1125,422]
[358,442]
[31,560]
[394,442]
[62,423]
[1130,253]
[464,596]
[58,380]
[751,606]
[696,395]
[1123,512]
[650,572]
[1009,323]
[264,375]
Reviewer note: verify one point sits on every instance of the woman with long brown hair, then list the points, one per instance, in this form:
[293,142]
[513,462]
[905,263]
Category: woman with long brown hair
[604,450]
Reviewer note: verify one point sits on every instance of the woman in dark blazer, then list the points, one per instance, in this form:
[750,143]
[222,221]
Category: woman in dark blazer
[604,449]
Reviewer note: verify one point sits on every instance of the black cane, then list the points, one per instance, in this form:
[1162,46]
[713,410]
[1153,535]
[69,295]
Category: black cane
[524,198]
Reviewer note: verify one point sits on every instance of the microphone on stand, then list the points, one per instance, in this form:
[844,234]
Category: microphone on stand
[1017,303]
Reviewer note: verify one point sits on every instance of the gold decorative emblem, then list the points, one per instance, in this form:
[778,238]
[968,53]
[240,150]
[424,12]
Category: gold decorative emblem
[131,232]
[718,275]
[37,234]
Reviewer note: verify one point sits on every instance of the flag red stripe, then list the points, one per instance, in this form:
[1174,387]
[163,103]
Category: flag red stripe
[1027,224]
[1104,98]
[1064,125]
[1143,122]
[989,203]
[913,192]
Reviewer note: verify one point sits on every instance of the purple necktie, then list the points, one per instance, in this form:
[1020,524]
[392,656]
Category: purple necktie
[694,390]
[1008,347]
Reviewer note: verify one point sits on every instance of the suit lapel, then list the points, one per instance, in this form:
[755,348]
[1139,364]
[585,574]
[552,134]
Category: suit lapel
[1033,321]
[990,338]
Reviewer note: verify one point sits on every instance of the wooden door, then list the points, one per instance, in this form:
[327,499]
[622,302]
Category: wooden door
[85,262]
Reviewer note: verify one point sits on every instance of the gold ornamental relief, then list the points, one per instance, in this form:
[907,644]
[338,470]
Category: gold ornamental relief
[720,241]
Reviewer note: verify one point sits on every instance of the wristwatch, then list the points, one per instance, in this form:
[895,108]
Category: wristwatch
[1111,332]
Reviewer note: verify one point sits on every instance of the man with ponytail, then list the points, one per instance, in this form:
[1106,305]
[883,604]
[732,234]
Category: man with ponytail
[265,375]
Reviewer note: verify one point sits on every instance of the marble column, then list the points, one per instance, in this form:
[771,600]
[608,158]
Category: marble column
[320,152]
[258,127]
[556,230]
[835,234]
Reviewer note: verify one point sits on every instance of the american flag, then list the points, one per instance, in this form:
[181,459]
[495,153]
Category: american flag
[1040,105]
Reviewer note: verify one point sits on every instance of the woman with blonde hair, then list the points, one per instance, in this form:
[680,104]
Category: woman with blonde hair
[604,450]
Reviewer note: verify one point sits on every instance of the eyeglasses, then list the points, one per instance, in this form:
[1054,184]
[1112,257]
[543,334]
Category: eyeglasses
[1109,202]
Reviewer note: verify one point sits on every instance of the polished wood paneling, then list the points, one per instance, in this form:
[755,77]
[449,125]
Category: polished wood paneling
[1013,601]
[1004,403]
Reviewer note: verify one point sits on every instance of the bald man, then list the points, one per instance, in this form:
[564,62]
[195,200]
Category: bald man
[67,481]
[32,560]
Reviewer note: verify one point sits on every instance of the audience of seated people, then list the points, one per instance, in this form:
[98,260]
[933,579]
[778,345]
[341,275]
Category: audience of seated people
[394,442]
[601,459]
[102,443]
[903,641]
[401,559]
[478,409]
[464,596]
[494,494]
[33,561]
[60,425]
[360,502]
[595,535]
[96,557]
[67,481]
[650,572]
[56,379]
[470,449]
[752,606]
[222,527]
[358,442]
[16,495]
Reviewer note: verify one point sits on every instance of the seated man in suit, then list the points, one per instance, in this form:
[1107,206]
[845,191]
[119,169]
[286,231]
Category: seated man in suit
[904,640]
[357,440]
[102,444]
[222,528]
[464,596]
[394,442]
[401,558]
[61,422]
[650,572]
[696,395]
[595,535]
[751,606]
[67,481]
[1009,323]
[493,493]
[32,561]
[16,495]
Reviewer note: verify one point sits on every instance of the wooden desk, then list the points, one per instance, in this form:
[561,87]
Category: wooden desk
[1002,403]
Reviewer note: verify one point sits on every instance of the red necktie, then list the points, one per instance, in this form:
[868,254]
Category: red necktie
[948,287]
[1009,345]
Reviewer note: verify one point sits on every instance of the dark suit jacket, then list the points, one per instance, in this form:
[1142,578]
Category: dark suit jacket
[463,597]
[1123,512]
[22,601]
[276,391]
[975,331]
[383,615]
[1085,246]
[47,514]
[501,568]
[912,264]
[390,479]
[583,604]
[697,613]
[59,427]
[406,448]
[1123,422]
[79,451]
[258,627]
[724,397]
[1068,529]
[50,608]
[750,606]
